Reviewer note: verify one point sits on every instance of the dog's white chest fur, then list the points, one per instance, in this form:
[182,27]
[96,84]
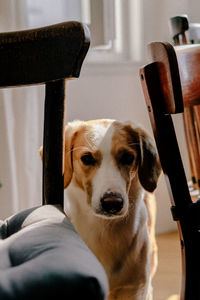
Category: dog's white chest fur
[122,246]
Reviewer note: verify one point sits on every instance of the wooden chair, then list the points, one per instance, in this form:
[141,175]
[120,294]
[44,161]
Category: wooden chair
[49,56]
[167,93]
[184,33]
[41,255]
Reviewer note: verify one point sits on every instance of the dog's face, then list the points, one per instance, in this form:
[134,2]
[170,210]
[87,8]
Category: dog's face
[104,158]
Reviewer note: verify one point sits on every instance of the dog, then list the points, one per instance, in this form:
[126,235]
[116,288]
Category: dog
[111,170]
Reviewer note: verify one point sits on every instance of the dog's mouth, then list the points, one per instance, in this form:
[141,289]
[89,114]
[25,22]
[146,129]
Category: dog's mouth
[111,205]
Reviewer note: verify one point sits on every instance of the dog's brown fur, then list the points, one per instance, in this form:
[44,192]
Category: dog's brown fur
[124,242]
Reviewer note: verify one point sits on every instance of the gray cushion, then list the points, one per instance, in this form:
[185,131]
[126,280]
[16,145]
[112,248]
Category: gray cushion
[42,257]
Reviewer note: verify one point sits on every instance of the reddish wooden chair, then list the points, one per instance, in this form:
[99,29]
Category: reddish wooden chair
[170,83]
[183,33]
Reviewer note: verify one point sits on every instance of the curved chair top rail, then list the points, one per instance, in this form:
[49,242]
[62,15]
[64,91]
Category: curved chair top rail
[163,54]
[43,54]
[179,71]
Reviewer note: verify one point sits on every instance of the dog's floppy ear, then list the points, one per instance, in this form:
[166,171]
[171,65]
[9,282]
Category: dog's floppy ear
[68,167]
[149,166]
[69,132]
[41,152]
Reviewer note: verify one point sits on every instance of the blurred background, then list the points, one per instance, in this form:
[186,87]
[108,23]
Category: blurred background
[109,85]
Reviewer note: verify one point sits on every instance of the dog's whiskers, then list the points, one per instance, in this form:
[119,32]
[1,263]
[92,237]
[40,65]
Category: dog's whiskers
[78,148]
[88,140]
[132,144]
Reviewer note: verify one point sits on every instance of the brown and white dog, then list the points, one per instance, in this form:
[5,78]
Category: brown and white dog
[111,170]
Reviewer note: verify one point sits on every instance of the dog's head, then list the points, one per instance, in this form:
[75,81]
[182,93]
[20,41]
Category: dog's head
[106,159]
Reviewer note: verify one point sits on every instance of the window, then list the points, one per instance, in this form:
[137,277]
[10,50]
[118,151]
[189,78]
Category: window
[115,25]
[122,26]
[46,12]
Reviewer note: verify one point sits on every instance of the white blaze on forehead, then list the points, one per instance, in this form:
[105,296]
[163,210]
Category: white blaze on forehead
[102,136]
[108,177]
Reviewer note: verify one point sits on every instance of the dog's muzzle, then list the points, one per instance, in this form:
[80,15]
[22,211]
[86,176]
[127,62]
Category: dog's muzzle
[112,203]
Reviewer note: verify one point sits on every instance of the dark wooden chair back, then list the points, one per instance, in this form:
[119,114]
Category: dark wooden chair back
[170,83]
[49,56]
[178,26]
[184,33]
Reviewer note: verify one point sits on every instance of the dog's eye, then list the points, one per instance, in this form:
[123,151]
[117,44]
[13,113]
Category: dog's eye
[126,158]
[88,159]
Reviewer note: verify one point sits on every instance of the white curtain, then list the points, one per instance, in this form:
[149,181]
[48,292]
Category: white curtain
[21,109]
[21,130]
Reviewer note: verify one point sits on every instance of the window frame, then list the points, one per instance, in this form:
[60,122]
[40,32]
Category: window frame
[117,26]
[128,38]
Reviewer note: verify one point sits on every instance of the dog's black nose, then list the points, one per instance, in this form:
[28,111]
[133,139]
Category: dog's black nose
[112,203]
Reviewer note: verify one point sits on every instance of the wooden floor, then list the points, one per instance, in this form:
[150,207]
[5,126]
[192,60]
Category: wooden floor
[168,277]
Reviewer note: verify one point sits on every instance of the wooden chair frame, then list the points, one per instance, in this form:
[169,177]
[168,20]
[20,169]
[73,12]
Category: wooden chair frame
[181,29]
[166,93]
[49,56]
